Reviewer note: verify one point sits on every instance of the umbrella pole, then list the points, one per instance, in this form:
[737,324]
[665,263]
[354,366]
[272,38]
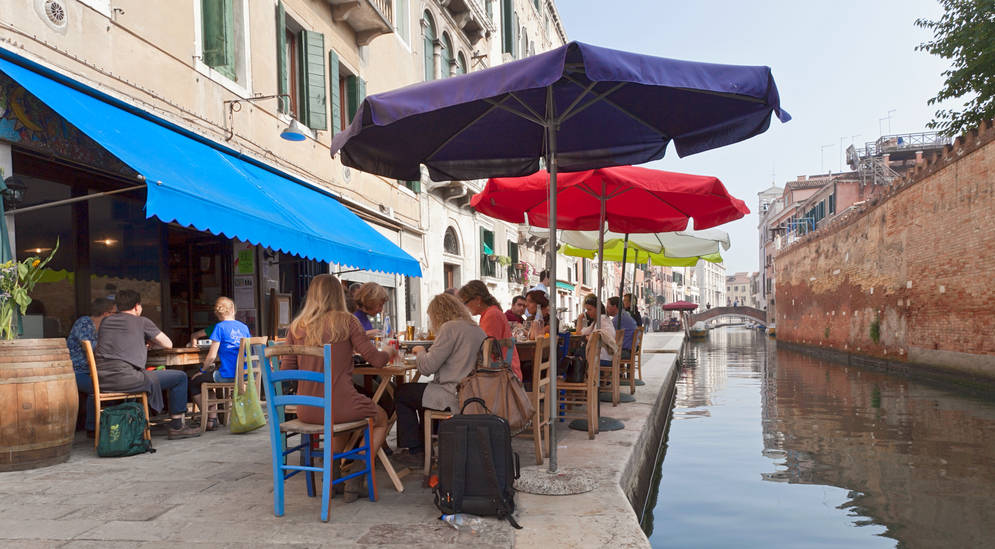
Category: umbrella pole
[554,399]
[601,257]
[621,284]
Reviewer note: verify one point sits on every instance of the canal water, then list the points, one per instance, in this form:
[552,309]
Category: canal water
[773,448]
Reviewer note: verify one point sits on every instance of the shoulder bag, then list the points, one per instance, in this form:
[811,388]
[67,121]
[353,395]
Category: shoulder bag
[496,384]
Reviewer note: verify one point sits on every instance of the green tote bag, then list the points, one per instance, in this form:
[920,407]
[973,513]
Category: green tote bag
[246,412]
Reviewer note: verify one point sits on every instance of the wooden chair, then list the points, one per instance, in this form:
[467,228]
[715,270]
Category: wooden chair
[573,396]
[609,379]
[539,395]
[428,418]
[276,401]
[99,398]
[220,393]
[627,366]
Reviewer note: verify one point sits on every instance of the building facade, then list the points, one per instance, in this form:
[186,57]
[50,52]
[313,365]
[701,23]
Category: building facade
[233,73]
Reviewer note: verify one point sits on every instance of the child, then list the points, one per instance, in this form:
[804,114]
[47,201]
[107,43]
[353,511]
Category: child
[225,341]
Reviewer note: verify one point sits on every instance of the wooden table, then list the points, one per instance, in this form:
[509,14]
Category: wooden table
[385,375]
[177,358]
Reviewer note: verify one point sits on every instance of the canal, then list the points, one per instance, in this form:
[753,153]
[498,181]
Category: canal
[773,448]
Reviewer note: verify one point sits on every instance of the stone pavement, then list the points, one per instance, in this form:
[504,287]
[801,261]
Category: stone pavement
[217,490]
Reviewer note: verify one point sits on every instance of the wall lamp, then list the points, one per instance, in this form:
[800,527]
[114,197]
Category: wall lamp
[293,132]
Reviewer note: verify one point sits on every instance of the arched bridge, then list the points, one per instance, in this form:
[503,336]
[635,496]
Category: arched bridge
[755,314]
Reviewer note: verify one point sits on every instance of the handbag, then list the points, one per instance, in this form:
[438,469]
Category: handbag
[246,412]
[574,365]
[496,384]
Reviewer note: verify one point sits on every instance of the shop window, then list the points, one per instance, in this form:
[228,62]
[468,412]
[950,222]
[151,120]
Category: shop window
[221,39]
[487,253]
[301,71]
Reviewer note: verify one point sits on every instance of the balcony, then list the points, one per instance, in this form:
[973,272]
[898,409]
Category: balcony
[470,17]
[368,18]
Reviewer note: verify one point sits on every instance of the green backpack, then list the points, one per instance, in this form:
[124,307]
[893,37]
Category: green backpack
[122,431]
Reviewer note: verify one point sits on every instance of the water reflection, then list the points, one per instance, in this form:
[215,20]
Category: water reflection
[777,449]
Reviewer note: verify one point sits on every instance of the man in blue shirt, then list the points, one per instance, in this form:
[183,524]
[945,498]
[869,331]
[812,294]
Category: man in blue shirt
[85,329]
[626,322]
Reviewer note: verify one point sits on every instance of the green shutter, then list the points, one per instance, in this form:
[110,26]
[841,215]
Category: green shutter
[415,186]
[352,96]
[483,254]
[333,85]
[218,26]
[429,47]
[514,35]
[313,79]
[507,42]
[282,78]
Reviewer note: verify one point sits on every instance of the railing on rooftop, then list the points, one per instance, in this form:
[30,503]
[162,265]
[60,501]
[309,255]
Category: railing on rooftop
[889,143]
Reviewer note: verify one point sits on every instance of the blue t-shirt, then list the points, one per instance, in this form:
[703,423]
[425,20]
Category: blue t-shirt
[629,325]
[229,333]
[83,329]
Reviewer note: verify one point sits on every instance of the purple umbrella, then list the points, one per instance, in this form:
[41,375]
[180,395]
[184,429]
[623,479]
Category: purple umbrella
[579,107]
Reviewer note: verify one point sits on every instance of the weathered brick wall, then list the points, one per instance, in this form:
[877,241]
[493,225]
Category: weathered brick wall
[909,277]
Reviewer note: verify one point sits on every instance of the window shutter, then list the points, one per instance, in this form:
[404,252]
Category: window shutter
[507,27]
[282,82]
[429,47]
[483,255]
[313,78]
[415,186]
[514,35]
[361,92]
[218,26]
[333,85]
[352,96]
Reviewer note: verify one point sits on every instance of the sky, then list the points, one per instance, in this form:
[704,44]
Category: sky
[841,66]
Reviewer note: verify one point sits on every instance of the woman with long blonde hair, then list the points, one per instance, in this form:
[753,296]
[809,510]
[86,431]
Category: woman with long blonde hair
[324,319]
[452,357]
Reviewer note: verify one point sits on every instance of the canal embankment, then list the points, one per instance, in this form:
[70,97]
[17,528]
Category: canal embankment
[622,461]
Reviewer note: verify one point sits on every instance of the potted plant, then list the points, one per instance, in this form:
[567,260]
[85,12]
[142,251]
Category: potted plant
[37,375]
[17,279]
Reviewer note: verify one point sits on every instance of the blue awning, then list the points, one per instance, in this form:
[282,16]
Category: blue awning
[199,185]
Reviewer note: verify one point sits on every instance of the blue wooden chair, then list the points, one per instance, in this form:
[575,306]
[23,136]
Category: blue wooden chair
[281,430]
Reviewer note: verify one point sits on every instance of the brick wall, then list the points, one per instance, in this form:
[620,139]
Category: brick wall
[909,277]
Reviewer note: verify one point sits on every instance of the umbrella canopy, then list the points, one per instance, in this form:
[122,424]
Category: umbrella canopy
[680,306]
[609,108]
[579,107]
[637,200]
[616,250]
[678,244]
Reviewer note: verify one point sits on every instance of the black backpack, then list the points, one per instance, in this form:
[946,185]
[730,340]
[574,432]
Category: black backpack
[122,431]
[476,466]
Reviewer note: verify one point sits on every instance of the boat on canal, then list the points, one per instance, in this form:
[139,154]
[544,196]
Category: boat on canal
[699,330]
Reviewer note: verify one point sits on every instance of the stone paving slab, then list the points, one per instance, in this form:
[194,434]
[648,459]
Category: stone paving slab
[216,491]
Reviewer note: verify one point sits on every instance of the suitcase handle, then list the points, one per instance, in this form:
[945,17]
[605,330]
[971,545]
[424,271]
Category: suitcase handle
[478,400]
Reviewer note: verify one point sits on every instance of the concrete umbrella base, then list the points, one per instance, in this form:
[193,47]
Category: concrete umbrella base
[537,479]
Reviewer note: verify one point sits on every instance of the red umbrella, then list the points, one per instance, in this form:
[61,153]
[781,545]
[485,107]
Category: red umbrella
[635,200]
[680,306]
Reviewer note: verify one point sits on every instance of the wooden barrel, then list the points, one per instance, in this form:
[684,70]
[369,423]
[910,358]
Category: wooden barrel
[38,403]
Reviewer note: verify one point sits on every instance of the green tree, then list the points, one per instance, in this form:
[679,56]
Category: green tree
[965,34]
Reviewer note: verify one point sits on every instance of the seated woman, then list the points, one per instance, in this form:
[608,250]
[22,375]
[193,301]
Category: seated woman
[324,319]
[493,322]
[588,324]
[226,338]
[536,301]
[452,357]
[369,299]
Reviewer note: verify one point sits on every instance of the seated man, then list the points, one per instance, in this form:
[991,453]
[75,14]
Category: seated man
[627,323]
[514,314]
[85,329]
[121,354]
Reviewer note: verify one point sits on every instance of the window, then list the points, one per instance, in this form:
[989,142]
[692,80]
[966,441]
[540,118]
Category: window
[450,242]
[487,253]
[509,28]
[525,44]
[514,275]
[414,186]
[402,21]
[428,28]
[536,4]
[218,28]
[301,72]
[832,204]
[446,59]
[460,63]
[489,6]
[221,42]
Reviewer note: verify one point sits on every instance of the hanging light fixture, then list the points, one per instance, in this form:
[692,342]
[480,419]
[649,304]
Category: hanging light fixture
[294,131]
